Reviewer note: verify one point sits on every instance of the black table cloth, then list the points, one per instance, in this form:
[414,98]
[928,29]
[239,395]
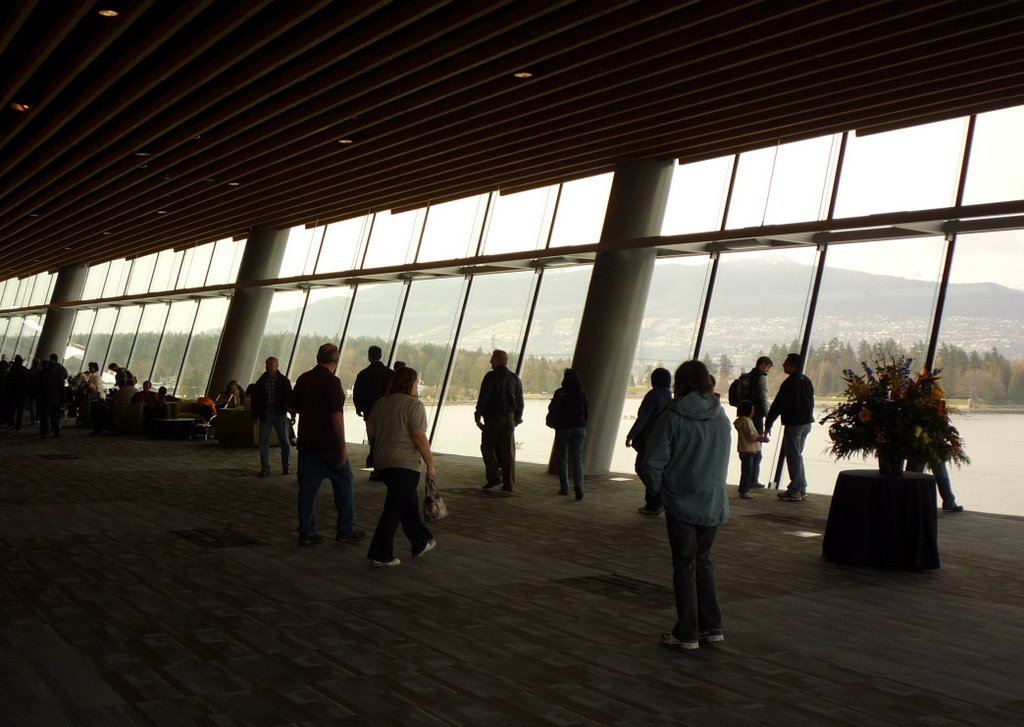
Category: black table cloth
[883,521]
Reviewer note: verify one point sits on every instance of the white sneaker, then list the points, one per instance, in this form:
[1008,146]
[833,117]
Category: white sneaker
[385,564]
[672,642]
[431,544]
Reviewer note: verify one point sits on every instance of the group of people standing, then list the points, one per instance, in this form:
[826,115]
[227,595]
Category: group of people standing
[39,389]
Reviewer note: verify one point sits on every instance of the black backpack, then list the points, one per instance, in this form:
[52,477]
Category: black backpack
[739,390]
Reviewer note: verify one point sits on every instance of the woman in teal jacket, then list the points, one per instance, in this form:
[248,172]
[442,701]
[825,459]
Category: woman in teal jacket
[687,457]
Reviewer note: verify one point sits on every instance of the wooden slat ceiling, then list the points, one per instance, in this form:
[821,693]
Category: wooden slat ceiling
[176,123]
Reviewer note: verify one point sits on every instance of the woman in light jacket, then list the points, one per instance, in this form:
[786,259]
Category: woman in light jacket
[397,430]
[687,457]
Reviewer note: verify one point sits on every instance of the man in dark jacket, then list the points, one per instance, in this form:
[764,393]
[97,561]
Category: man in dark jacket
[16,388]
[795,404]
[270,398]
[371,384]
[499,409]
[51,391]
[653,404]
[757,390]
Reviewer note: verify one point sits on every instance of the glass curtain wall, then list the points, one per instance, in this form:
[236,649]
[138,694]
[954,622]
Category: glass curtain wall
[202,348]
[167,368]
[125,328]
[495,317]
[99,341]
[322,321]
[147,342]
[74,355]
[280,330]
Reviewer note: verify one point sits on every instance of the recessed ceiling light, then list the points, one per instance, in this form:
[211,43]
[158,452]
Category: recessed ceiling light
[106,232]
[20,106]
[141,153]
[107,13]
[67,247]
[161,212]
[344,141]
[33,214]
[523,74]
[233,184]
[197,137]
[143,166]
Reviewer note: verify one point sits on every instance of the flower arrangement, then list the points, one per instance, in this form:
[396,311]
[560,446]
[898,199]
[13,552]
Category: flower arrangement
[891,413]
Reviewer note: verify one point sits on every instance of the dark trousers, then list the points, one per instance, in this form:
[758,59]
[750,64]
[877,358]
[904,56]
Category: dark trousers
[98,412]
[498,447]
[50,416]
[15,410]
[693,579]
[652,500]
[401,507]
[748,463]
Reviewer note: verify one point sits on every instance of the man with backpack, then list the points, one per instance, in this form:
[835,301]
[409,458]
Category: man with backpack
[753,386]
[653,404]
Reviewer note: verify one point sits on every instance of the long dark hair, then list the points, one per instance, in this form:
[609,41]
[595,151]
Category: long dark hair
[692,376]
[402,381]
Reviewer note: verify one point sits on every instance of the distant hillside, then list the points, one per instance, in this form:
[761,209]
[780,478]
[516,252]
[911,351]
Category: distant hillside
[758,302]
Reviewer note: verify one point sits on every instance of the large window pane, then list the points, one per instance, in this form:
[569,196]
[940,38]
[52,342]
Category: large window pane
[143,355]
[279,333]
[696,198]
[41,289]
[75,353]
[14,326]
[301,251]
[757,309]
[787,183]
[141,275]
[196,265]
[172,347]
[428,327]
[326,309]
[997,158]
[29,334]
[4,323]
[94,281]
[202,348]
[372,322]
[981,354]
[453,229]
[549,350]
[342,241]
[909,169]
[124,335]
[869,307]
[117,278]
[581,207]
[519,221]
[495,317]
[227,256]
[394,238]
[165,273]
[99,341]
[670,316]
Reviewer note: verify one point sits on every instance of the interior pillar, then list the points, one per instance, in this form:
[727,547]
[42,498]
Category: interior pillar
[248,311]
[616,298]
[56,331]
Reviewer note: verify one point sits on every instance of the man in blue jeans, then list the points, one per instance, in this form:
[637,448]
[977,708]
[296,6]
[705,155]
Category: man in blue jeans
[795,404]
[318,399]
[270,408]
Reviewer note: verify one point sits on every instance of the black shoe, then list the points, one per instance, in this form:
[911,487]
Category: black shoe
[350,536]
[263,473]
[579,495]
[953,508]
[645,511]
[286,471]
[563,492]
[310,539]
[758,486]
[491,485]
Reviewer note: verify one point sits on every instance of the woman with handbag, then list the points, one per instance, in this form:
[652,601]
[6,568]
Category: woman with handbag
[567,415]
[397,429]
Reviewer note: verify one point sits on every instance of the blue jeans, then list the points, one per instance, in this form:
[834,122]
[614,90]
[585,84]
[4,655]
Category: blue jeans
[314,467]
[793,450]
[569,446]
[748,462]
[279,423]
